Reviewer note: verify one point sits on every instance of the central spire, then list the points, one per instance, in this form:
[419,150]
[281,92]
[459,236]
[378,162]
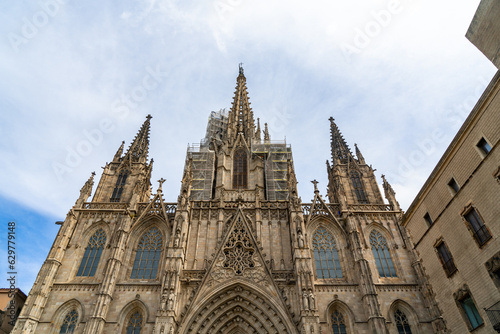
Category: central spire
[241,115]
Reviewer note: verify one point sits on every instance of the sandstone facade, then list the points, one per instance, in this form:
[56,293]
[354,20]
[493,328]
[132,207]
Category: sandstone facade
[238,252]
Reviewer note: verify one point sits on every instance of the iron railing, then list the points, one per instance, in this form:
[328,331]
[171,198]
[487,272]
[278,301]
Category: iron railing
[493,313]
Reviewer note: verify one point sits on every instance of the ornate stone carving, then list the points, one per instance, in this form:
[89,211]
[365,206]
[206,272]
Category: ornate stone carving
[493,264]
[170,300]
[312,300]
[177,237]
[300,239]
[305,300]
[238,257]
[461,293]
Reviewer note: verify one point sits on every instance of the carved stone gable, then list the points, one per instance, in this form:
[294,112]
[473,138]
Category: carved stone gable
[238,250]
[238,257]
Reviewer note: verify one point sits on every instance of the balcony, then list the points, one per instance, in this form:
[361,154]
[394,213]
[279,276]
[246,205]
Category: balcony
[493,313]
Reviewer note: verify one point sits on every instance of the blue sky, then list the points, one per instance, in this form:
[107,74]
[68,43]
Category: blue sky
[399,77]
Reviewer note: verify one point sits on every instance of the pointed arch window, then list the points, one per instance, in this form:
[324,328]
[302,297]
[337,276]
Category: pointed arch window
[69,323]
[134,324]
[92,254]
[326,256]
[240,169]
[120,183]
[358,187]
[148,255]
[382,255]
[338,323]
[402,323]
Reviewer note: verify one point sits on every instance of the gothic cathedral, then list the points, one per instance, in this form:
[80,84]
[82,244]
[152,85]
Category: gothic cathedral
[238,252]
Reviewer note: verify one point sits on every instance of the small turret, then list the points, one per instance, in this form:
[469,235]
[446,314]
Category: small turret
[267,138]
[390,194]
[86,191]
[257,132]
[360,157]
[119,153]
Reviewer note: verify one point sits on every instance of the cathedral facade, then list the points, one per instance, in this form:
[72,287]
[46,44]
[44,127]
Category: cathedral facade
[238,252]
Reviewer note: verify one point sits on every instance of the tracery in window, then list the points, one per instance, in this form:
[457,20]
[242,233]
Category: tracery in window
[148,255]
[92,254]
[238,250]
[69,323]
[402,323]
[338,323]
[358,187]
[326,256]
[240,169]
[134,324]
[120,183]
[382,255]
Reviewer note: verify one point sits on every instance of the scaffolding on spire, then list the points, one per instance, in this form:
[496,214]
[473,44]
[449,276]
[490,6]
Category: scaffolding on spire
[276,155]
[202,167]
[216,126]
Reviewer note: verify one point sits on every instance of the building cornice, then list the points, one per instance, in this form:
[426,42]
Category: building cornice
[481,105]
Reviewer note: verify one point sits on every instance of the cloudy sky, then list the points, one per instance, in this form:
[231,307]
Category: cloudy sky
[398,76]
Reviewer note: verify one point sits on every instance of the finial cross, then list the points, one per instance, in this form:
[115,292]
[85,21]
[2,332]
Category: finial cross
[315,185]
[160,181]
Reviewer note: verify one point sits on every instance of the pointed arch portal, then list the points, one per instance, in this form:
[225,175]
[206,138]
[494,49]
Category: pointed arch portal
[238,309]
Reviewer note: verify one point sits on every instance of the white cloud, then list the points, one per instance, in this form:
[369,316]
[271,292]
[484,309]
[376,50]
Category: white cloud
[389,97]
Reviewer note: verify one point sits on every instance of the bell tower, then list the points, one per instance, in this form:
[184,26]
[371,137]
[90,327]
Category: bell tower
[126,179]
[350,179]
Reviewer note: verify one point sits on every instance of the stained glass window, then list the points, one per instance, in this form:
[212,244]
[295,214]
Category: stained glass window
[148,255]
[120,183]
[338,323]
[69,323]
[240,169]
[326,256]
[358,187]
[383,258]
[134,324]
[402,322]
[92,254]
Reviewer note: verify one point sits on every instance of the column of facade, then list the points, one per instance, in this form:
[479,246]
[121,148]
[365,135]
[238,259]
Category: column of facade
[375,319]
[309,316]
[95,325]
[165,321]
[33,308]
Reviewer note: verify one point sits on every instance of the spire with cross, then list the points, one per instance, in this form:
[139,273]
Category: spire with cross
[161,181]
